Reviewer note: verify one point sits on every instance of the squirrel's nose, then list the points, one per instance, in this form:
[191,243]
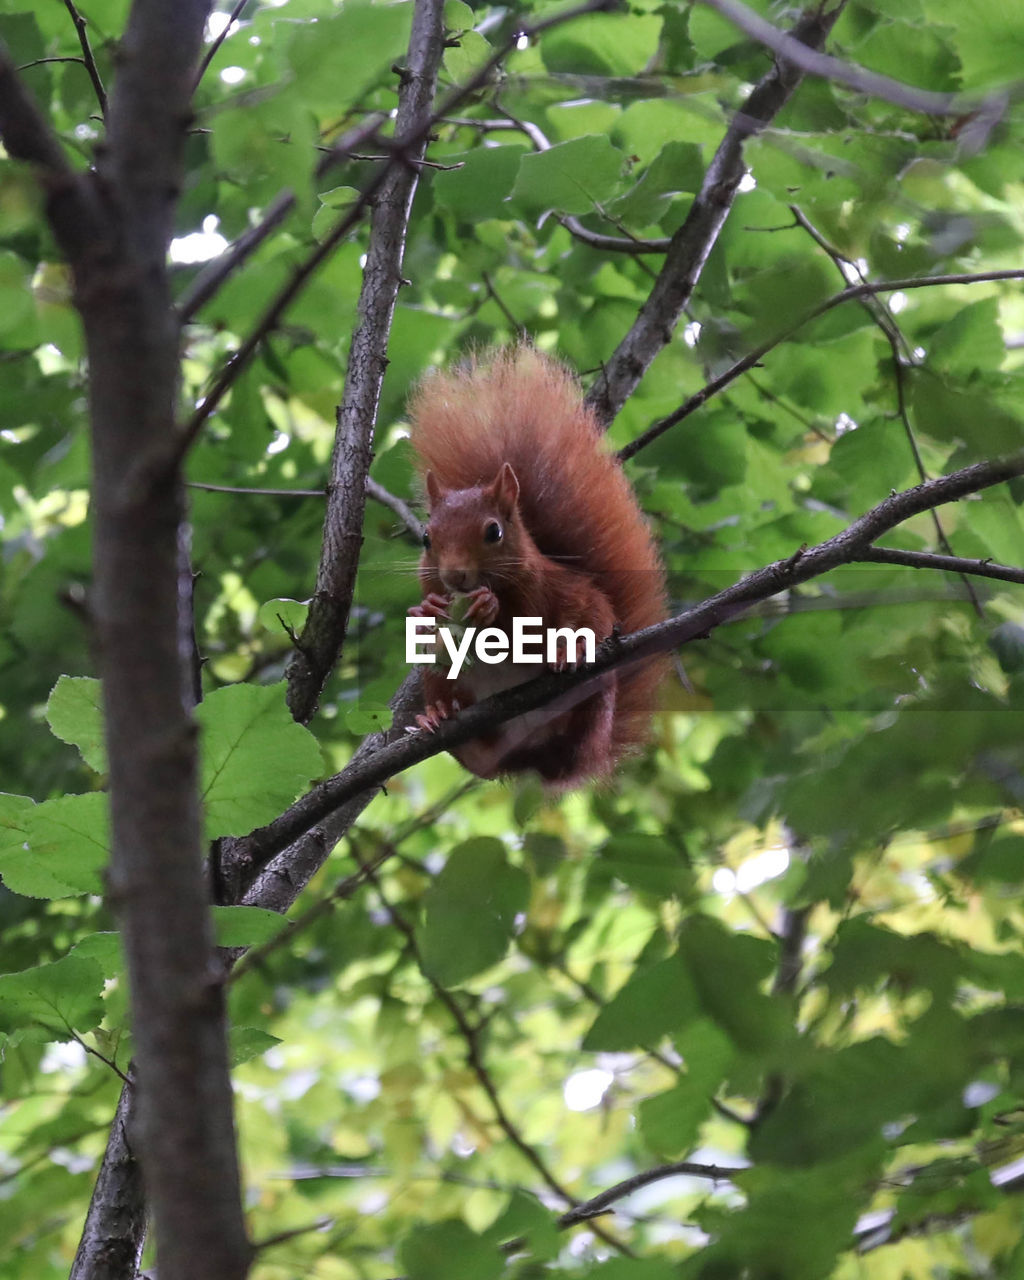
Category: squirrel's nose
[459,579]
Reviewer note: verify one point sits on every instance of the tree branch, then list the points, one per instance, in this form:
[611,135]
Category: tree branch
[323,634]
[115,1226]
[372,767]
[225,31]
[952,564]
[184,1129]
[602,1202]
[208,282]
[690,246]
[474,1057]
[87,55]
[398,153]
[815,63]
[70,206]
[886,323]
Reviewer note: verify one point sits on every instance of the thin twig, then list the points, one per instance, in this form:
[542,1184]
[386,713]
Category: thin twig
[474,1057]
[954,564]
[293,1233]
[107,1062]
[885,321]
[87,55]
[225,31]
[681,1168]
[346,887]
[266,493]
[850,294]
[872,83]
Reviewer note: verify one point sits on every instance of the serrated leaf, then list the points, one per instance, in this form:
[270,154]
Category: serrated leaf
[248,1042]
[68,846]
[53,999]
[470,911]
[103,949]
[246,926]
[571,177]
[653,1003]
[609,44]
[255,758]
[74,713]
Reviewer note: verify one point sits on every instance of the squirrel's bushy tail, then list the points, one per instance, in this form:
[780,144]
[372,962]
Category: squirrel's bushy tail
[519,406]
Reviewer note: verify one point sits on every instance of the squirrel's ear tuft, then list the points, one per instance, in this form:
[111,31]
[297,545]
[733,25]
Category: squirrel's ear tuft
[506,488]
[434,491]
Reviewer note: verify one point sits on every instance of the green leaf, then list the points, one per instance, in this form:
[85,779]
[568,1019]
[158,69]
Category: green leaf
[618,44]
[68,847]
[103,949]
[75,714]
[727,970]
[470,911]
[53,999]
[246,926]
[571,177]
[463,59]
[670,1121]
[480,187]
[350,48]
[368,717]
[1007,643]
[278,616]
[676,168]
[652,1004]
[449,1251]
[971,340]
[526,1218]
[255,758]
[16,306]
[248,1042]
[648,862]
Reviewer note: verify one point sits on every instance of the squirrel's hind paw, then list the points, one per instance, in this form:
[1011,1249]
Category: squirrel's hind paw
[430,719]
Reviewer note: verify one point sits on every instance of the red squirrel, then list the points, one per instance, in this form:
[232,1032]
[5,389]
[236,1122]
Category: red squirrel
[530,516]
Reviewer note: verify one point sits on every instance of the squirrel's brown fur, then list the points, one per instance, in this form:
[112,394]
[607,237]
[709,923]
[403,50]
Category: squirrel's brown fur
[575,545]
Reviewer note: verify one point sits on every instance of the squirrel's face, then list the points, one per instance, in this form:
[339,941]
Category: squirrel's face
[473,534]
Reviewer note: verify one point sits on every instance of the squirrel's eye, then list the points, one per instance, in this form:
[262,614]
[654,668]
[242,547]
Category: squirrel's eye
[426,541]
[492,533]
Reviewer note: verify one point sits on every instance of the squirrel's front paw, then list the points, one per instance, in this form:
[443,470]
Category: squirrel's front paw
[433,606]
[483,606]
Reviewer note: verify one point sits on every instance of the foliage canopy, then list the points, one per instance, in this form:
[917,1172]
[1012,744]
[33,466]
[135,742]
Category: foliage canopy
[788,942]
